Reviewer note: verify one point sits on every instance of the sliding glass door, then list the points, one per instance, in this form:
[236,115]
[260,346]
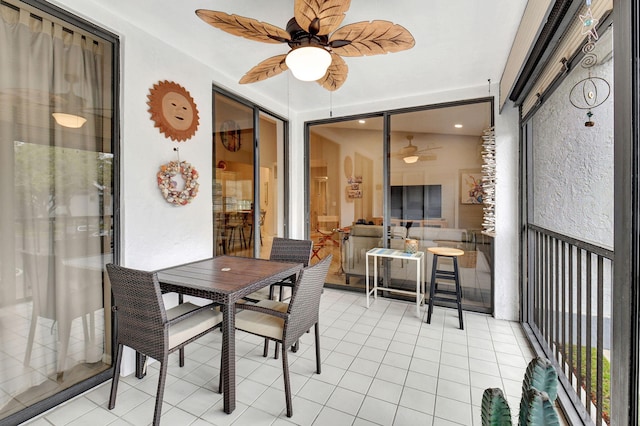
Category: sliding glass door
[345,194]
[56,222]
[436,195]
[411,174]
[247,193]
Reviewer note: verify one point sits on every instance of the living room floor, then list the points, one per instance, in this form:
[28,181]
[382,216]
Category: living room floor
[380,366]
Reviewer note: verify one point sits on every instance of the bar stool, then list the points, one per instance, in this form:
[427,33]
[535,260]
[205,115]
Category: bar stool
[235,232]
[443,274]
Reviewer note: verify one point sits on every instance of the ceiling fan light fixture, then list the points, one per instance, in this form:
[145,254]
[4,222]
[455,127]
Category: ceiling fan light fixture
[69,120]
[410,159]
[308,63]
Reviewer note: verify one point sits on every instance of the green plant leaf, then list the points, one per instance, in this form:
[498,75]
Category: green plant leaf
[495,409]
[540,410]
[541,374]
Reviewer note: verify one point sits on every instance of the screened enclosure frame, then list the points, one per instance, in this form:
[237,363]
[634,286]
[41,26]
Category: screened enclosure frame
[625,321]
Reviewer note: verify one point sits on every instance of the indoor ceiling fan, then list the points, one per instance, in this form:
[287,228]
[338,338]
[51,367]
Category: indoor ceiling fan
[411,153]
[317,44]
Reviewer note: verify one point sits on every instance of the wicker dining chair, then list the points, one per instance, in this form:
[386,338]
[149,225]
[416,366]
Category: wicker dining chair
[285,250]
[285,323]
[289,250]
[144,325]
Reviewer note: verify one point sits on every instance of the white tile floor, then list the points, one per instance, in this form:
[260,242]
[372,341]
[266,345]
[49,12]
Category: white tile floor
[381,366]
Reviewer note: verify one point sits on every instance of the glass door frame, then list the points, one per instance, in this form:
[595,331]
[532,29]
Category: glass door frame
[257,111]
[386,167]
[112,38]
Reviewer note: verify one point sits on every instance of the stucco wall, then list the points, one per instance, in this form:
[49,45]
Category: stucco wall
[572,164]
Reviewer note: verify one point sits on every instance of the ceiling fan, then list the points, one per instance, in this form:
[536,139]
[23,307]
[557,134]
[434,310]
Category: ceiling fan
[411,153]
[317,44]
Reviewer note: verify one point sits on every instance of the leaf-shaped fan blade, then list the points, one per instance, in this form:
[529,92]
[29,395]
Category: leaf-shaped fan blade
[266,69]
[371,38]
[244,27]
[336,74]
[320,17]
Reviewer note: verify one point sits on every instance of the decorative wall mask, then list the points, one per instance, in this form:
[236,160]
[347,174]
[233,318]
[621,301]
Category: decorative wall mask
[173,110]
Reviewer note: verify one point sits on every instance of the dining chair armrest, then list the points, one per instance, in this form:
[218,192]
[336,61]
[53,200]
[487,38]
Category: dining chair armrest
[185,310]
[262,309]
[288,282]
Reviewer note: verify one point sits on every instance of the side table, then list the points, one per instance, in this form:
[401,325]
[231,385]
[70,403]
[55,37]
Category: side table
[378,253]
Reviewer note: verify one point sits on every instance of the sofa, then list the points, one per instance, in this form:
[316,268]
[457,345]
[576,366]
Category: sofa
[474,266]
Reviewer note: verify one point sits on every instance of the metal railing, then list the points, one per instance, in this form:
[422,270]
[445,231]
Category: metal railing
[568,305]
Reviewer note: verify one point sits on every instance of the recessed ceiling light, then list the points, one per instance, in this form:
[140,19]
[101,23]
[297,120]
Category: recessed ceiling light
[458,126]
[361,121]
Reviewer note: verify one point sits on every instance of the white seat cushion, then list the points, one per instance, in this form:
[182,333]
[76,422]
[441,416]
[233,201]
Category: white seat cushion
[262,324]
[197,323]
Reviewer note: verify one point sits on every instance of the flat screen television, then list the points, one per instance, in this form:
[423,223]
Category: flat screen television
[416,202]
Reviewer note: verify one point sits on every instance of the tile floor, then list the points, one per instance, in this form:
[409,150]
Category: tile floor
[381,366]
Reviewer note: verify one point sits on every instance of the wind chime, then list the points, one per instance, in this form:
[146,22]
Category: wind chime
[590,92]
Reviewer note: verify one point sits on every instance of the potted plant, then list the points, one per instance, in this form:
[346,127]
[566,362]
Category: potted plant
[539,392]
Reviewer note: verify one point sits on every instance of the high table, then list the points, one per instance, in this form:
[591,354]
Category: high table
[377,253]
[225,280]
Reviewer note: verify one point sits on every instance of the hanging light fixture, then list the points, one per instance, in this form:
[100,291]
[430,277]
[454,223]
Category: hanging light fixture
[308,63]
[69,120]
[68,106]
[410,152]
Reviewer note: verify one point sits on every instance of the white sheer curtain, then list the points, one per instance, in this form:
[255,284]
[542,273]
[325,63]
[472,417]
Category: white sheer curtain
[52,192]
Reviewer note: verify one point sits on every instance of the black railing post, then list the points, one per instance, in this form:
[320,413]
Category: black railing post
[568,327]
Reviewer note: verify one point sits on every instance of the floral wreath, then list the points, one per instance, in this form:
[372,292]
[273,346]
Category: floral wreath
[178,197]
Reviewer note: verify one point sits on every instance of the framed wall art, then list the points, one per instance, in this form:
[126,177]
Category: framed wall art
[471,190]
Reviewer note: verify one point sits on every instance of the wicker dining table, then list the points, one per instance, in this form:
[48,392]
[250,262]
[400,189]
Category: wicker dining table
[225,280]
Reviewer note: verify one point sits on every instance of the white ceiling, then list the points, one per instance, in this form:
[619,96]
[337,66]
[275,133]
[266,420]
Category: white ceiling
[474,119]
[459,44]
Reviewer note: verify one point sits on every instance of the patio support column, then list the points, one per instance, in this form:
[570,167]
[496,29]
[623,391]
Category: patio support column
[625,356]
